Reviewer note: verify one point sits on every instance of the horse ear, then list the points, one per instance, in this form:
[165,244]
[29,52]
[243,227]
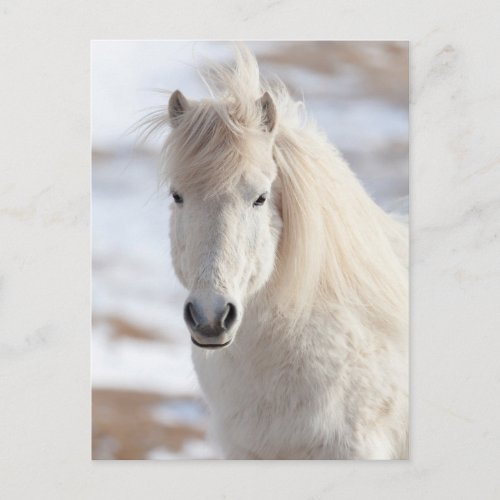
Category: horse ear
[268,107]
[177,106]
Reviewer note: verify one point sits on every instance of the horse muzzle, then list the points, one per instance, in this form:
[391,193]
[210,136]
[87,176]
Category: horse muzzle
[212,319]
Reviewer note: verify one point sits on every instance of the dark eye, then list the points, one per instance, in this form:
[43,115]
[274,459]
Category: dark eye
[260,200]
[177,197]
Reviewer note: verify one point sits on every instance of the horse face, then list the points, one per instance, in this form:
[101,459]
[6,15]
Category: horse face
[226,223]
[223,251]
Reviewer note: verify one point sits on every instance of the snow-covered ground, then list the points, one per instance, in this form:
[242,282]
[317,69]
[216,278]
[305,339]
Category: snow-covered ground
[147,402]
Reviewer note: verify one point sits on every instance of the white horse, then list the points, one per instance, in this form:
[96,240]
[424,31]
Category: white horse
[298,303]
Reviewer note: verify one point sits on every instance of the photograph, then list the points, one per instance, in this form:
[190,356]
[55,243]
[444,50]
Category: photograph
[250,283]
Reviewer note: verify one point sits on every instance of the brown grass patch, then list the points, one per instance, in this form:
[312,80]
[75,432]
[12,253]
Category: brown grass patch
[123,427]
[122,328]
[382,67]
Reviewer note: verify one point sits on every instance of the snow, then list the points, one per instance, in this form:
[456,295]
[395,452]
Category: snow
[195,448]
[139,365]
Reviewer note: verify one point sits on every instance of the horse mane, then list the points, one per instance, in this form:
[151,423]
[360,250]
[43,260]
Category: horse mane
[338,248]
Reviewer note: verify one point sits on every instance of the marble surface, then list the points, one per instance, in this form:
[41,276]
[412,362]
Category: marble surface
[45,249]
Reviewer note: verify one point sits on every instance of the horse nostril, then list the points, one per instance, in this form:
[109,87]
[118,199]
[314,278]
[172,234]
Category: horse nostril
[190,315]
[228,317]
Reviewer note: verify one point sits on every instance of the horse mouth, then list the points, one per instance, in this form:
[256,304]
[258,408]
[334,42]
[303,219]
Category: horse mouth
[211,346]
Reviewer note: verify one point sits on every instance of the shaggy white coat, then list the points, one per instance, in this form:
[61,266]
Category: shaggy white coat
[318,363]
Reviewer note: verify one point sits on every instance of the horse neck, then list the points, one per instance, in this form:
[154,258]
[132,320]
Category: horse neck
[338,248]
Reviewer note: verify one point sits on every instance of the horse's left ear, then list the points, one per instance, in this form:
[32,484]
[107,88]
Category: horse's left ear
[177,106]
[269,115]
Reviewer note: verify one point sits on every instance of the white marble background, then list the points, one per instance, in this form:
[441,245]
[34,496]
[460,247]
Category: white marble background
[45,249]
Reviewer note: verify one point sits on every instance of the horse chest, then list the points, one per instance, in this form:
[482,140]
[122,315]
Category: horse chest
[251,379]
[267,395]
[258,369]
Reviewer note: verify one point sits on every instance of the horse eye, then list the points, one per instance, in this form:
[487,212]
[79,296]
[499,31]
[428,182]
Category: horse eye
[260,200]
[177,197]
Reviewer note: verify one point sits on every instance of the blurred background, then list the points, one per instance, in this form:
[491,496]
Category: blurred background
[146,402]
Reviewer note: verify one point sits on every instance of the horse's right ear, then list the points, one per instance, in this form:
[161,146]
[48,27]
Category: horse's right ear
[268,109]
[177,106]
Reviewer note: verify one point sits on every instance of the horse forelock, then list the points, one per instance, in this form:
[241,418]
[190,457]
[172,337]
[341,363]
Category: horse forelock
[211,149]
